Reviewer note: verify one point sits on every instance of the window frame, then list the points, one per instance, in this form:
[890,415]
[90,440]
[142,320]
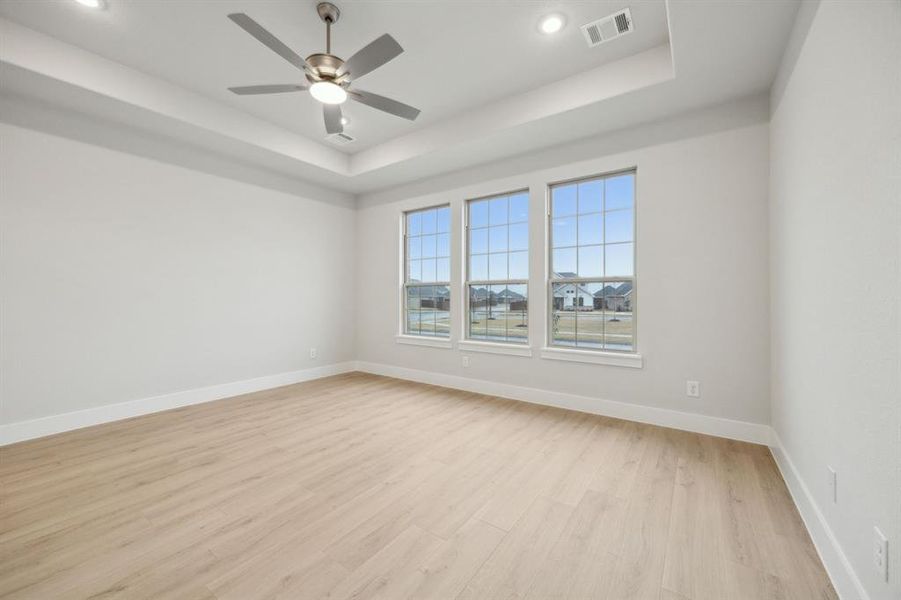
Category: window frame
[487,345]
[583,353]
[406,336]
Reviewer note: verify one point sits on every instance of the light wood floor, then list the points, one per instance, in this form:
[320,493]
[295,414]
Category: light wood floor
[368,487]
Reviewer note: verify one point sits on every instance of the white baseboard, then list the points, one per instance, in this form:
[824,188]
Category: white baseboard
[757,433]
[35,428]
[838,567]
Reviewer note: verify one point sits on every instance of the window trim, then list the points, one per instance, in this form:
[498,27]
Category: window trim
[584,354]
[494,346]
[597,357]
[403,336]
[423,340]
[509,348]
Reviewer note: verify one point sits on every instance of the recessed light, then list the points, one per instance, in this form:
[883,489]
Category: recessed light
[552,24]
[92,3]
[328,92]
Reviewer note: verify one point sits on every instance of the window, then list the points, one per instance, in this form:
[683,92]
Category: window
[497,274]
[427,272]
[592,279]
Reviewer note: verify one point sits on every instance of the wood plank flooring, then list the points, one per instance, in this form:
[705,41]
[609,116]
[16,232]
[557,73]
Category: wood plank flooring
[359,486]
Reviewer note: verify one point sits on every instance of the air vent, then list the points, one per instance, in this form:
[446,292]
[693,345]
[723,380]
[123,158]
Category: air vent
[608,28]
[340,138]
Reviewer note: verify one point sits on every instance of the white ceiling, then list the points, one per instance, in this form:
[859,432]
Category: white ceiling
[457,55]
[488,83]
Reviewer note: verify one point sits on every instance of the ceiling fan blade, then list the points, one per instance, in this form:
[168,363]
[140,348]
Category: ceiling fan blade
[332,113]
[388,105]
[371,57]
[267,39]
[277,88]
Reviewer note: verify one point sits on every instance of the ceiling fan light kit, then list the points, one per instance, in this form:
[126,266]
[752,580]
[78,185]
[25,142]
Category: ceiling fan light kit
[328,93]
[331,78]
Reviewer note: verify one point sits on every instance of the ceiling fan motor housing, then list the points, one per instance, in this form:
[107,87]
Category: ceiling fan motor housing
[326,67]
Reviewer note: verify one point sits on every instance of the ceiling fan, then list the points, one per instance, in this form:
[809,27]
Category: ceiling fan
[330,78]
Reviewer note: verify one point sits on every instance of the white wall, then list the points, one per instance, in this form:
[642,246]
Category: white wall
[125,278]
[836,298]
[701,266]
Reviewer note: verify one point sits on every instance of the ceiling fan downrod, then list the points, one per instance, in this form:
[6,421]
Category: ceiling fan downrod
[329,13]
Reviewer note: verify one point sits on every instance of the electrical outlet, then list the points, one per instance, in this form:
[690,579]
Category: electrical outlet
[880,553]
[832,482]
[465,361]
[314,353]
[693,389]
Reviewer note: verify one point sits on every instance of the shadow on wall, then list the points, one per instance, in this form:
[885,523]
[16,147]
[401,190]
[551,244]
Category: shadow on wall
[36,114]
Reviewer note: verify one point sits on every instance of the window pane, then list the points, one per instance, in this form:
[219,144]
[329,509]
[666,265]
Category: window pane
[442,269]
[563,200]
[444,219]
[478,312]
[618,260]
[519,236]
[519,265]
[498,211]
[478,214]
[563,318]
[429,221]
[618,226]
[442,311]
[563,232]
[618,322]
[414,272]
[429,246]
[478,241]
[414,223]
[519,208]
[497,239]
[497,315]
[414,247]
[516,308]
[413,298]
[412,310]
[497,267]
[564,262]
[428,269]
[591,196]
[591,229]
[590,330]
[443,243]
[591,261]
[412,325]
[427,310]
[478,267]
[620,192]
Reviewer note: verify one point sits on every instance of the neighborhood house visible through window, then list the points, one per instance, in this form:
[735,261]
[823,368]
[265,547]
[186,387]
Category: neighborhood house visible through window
[427,272]
[498,268]
[592,264]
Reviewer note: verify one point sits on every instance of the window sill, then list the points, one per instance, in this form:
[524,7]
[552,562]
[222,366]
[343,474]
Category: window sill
[495,348]
[616,359]
[431,342]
